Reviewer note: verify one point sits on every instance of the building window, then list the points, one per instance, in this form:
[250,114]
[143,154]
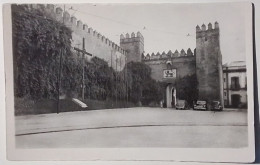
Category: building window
[225,93]
[235,83]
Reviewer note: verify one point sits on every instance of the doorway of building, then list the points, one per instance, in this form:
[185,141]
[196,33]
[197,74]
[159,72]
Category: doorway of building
[235,100]
[170,96]
[173,98]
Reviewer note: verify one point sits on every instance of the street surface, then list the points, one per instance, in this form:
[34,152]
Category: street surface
[133,127]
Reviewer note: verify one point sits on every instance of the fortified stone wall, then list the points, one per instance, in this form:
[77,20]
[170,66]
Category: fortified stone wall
[95,43]
[209,63]
[183,62]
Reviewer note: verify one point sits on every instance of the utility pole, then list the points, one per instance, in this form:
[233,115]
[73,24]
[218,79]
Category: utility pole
[59,83]
[126,81]
[83,51]
[125,84]
[112,79]
[120,90]
[116,80]
[111,58]
[83,69]
[120,62]
[59,76]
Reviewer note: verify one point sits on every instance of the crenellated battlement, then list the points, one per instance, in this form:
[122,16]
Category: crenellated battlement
[74,24]
[204,29]
[168,55]
[138,37]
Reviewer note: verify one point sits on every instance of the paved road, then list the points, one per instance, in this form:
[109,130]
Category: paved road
[133,127]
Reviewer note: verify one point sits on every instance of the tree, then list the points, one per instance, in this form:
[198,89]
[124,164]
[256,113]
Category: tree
[188,88]
[38,42]
[99,79]
[152,92]
[142,88]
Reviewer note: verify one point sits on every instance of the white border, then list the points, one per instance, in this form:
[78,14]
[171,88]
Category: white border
[208,155]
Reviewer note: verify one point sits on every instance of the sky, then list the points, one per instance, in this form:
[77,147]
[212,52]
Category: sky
[167,26]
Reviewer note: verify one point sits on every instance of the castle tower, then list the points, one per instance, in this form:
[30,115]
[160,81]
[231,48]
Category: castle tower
[209,63]
[134,46]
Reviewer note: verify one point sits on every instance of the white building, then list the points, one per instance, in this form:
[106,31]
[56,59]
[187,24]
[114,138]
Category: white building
[235,84]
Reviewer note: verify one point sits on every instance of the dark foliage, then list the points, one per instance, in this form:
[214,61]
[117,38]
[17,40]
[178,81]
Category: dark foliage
[99,78]
[188,88]
[38,42]
[142,88]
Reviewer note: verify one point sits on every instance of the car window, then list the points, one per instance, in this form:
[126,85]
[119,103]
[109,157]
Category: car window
[181,102]
[201,102]
[215,102]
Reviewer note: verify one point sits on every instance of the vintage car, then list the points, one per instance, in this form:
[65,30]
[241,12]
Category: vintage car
[200,105]
[181,104]
[216,105]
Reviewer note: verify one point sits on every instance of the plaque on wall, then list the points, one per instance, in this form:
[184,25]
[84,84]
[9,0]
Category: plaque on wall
[169,73]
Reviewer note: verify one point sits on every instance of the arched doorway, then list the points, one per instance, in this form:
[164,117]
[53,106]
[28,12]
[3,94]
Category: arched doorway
[170,96]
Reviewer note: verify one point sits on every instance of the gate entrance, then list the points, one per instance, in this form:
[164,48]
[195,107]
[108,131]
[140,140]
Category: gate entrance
[170,96]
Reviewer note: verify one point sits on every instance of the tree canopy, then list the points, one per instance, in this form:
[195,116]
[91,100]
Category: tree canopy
[142,87]
[38,42]
[188,88]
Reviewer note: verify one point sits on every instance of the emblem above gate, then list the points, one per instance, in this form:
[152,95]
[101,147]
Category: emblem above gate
[169,73]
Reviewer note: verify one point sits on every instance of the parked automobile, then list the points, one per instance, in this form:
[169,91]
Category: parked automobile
[216,105]
[200,105]
[182,104]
